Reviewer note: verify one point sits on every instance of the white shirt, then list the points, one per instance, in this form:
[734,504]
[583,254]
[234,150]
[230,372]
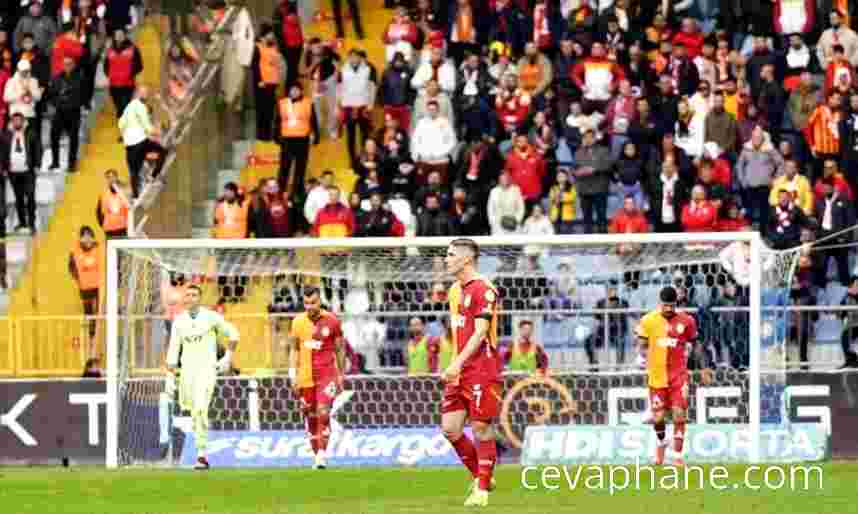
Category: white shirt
[316,199]
[433,140]
[18,153]
[135,123]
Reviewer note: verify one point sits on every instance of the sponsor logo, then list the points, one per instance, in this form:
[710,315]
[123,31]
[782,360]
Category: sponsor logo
[703,444]
[403,447]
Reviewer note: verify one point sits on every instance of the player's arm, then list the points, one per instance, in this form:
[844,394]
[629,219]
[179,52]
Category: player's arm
[231,333]
[481,327]
[643,341]
[292,350]
[174,348]
[340,352]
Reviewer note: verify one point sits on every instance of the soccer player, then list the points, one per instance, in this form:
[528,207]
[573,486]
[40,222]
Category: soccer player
[472,381]
[664,339]
[317,359]
[194,336]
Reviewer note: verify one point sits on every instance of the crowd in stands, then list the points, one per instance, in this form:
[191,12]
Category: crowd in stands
[623,116]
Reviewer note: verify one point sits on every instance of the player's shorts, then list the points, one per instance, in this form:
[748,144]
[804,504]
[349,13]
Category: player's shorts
[480,397]
[196,388]
[322,394]
[675,395]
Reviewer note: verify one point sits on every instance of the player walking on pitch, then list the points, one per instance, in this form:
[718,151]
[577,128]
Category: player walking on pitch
[194,336]
[317,359]
[664,338]
[472,381]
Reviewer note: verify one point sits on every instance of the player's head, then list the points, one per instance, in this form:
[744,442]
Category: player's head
[667,299]
[462,254]
[415,326]
[525,328]
[193,294]
[312,302]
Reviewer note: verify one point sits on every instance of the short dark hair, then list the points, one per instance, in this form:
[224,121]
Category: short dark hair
[668,295]
[525,322]
[196,288]
[311,291]
[86,229]
[470,244]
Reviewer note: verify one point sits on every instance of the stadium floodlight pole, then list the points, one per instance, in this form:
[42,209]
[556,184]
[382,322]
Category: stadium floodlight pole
[115,365]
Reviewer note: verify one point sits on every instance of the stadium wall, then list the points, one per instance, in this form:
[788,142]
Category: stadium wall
[51,422]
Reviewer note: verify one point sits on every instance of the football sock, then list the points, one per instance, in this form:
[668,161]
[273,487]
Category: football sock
[487,452]
[324,431]
[678,435]
[201,431]
[659,432]
[312,431]
[467,453]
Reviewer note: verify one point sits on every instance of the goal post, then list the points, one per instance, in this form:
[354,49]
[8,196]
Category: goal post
[136,268]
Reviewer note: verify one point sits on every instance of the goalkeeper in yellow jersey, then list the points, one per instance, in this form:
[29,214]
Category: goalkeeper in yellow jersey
[194,336]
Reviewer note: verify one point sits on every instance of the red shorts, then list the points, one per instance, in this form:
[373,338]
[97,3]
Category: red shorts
[480,397]
[674,396]
[322,394]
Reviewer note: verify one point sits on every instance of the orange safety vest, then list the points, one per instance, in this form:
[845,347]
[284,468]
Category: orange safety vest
[231,220]
[88,267]
[114,210]
[269,64]
[295,117]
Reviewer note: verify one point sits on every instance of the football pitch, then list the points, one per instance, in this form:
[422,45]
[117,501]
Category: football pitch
[405,490]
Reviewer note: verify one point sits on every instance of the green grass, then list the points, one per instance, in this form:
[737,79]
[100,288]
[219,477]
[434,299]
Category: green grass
[389,491]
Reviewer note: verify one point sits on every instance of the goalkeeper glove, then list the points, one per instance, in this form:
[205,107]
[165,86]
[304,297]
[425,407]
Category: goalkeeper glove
[641,360]
[225,363]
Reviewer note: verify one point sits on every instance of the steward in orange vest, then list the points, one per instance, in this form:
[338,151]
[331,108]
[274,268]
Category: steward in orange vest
[297,127]
[112,208]
[267,68]
[85,267]
[231,214]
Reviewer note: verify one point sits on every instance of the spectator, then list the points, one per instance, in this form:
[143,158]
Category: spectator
[801,104]
[85,267]
[506,207]
[835,215]
[822,133]
[613,325]
[796,184]
[20,158]
[838,34]
[7,54]
[357,93]
[467,212]
[798,60]
[437,68]
[732,221]
[849,335]
[669,194]
[66,93]
[23,93]
[271,211]
[268,69]
[593,180]
[772,99]
[433,143]
[432,93]
[480,164]
[720,126]
[297,128]
[434,186]
[715,191]
[396,93]
[688,130]
[831,174]
[434,221]
[400,37]
[755,170]
[370,160]
[122,65]
[511,105]
[473,79]
[334,220]
[317,195]
[526,169]
[838,70]
[354,9]
[137,129]
[524,354]
[848,131]
[699,215]
[67,45]
[597,78]
[534,71]
[290,38]
[562,203]
[232,216]
[785,223]
[43,28]
[464,29]
[4,107]
[111,211]
[537,223]
[322,68]
[379,221]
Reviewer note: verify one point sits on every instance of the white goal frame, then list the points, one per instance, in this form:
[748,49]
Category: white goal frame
[114,246]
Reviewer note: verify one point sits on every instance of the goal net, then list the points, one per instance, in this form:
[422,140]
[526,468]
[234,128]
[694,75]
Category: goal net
[583,294]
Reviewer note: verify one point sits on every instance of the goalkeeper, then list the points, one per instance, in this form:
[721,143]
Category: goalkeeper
[194,336]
